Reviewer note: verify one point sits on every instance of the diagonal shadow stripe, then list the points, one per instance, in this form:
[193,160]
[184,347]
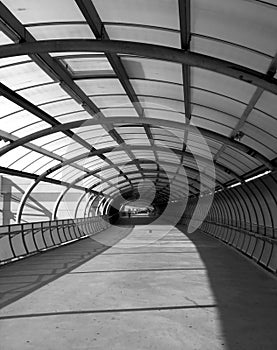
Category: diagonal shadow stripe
[140,270]
[84,312]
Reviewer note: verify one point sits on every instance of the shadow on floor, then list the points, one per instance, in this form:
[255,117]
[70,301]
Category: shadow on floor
[245,294]
[21,278]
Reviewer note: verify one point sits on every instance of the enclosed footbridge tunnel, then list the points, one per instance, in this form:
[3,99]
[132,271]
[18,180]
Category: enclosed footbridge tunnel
[137,150]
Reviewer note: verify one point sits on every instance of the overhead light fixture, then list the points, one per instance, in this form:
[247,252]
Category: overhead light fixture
[234,185]
[257,176]
[238,136]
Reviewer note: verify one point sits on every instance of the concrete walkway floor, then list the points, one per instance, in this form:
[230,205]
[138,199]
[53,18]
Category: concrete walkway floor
[142,287]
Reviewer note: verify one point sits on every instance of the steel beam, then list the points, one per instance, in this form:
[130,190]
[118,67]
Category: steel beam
[90,154]
[58,73]
[41,150]
[32,176]
[97,27]
[145,50]
[252,103]
[28,106]
[140,121]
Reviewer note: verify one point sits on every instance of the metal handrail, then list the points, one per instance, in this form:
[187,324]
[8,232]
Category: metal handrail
[21,240]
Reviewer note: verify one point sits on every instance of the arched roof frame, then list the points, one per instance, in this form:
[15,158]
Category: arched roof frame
[264,82]
[158,52]
[149,121]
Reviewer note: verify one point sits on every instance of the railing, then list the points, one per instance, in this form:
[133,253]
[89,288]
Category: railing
[261,247]
[22,240]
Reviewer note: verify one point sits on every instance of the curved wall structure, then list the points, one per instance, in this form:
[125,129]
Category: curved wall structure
[23,240]
[245,217]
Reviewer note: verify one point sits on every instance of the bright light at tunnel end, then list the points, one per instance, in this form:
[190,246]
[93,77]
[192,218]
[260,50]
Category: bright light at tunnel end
[196,145]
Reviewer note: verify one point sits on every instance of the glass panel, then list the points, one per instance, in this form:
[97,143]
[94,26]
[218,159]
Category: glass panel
[173,138]
[134,176]
[235,166]
[48,165]
[2,142]
[12,60]
[170,134]
[268,103]
[230,53]
[61,173]
[28,130]
[61,107]
[101,86]
[74,176]
[162,103]
[130,130]
[210,125]
[166,115]
[107,173]
[152,69]
[43,94]
[23,75]
[95,65]
[127,168]
[259,147]
[248,23]
[241,157]
[61,31]
[52,137]
[152,88]
[160,13]
[17,121]
[144,154]
[104,144]
[7,107]
[220,83]
[112,101]
[216,116]
[36,11]
[62,146]
[224,104]
[90,181]
[134,136]
[13,155]
[137,142]
[263,121]
[66,174]
[261,136]
[113,181]
[119,112]
[168,156]
[35,165]
[91,131]
[73,152]
[4,40]
[101,187]
[118,155]
[23,162]
[164,143]
[146,35]
[70,117]
[92,163]
[148,166]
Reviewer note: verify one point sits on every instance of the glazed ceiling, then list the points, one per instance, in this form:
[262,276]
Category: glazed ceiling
[99,95]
